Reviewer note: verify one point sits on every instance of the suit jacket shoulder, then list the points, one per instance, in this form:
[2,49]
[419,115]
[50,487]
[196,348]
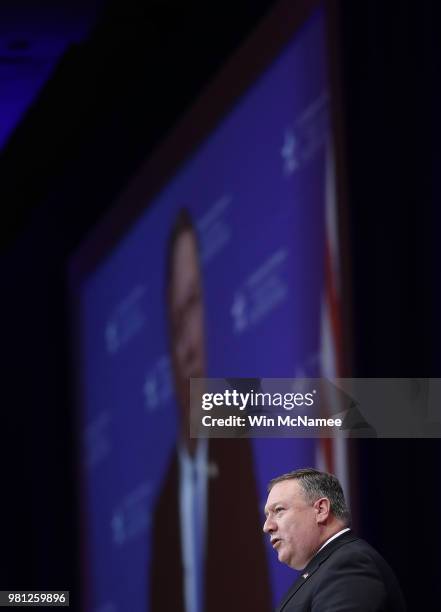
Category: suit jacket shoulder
[348,575]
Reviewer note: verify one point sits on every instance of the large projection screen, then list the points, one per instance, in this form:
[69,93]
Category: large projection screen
[221,259]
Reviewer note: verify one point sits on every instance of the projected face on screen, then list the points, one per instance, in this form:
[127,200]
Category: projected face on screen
[185,313]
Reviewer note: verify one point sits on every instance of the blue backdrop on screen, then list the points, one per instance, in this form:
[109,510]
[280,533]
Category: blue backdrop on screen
[256,191]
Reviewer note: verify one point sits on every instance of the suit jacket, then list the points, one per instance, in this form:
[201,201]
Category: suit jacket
[347,575]
[236,574]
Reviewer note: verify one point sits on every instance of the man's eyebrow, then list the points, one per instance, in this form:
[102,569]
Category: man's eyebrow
[267,510]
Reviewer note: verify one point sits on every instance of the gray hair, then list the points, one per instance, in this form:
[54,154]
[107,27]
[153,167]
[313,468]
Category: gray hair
[316,484]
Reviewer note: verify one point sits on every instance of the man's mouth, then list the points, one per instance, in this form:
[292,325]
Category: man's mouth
[275,541]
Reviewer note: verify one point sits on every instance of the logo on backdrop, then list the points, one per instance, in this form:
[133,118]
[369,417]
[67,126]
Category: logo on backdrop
[132,516]
[261,292]
[213,228]
[306,136]
[158,389]
[126,320]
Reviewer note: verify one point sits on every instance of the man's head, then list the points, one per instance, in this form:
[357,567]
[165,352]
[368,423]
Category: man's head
[304,509]
[185,310]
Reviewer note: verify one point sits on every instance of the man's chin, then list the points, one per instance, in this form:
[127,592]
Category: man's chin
[282,558]
[285,558]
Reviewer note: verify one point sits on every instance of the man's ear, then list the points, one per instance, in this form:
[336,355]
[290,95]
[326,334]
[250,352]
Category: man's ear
[322,509]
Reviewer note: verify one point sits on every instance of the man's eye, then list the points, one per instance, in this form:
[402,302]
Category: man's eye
[278,510]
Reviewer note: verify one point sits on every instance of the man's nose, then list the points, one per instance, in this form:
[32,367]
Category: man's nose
[269,526]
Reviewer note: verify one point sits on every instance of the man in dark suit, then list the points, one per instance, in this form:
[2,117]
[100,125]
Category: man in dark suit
[230,584]
[207,552]
[308,523]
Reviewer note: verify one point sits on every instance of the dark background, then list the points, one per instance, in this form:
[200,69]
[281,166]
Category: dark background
[114,94]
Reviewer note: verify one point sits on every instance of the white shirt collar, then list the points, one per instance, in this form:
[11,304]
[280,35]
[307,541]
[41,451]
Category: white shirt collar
[336,535]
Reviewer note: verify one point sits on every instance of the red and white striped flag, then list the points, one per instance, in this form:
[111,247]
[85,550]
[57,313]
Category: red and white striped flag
[331,453]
